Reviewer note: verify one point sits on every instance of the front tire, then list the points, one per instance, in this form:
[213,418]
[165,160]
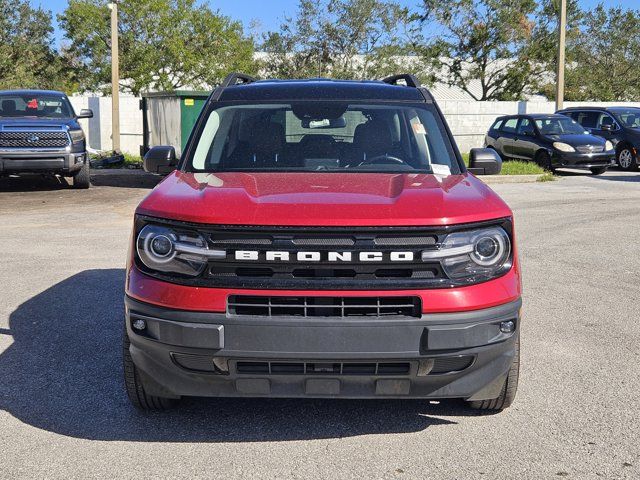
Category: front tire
[136,391]
[598,170]
[543,159]
[627,160]
[508,393]
[82,179]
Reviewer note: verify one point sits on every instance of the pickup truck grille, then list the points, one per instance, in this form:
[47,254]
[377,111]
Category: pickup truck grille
[338,307]
[34,139]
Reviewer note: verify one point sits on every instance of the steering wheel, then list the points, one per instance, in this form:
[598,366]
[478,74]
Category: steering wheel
[381,160]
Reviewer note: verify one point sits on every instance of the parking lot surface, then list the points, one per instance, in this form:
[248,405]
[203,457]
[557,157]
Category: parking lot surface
[64,414]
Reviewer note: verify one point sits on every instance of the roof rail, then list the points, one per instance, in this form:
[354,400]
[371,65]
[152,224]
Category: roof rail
[409,80]
[236,79]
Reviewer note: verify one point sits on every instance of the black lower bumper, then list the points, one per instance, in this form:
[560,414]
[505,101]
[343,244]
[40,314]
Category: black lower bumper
[452,355]
[41,162]
[583,160]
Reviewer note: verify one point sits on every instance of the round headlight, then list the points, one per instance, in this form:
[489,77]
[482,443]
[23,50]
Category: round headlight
[163,249]
[488,249]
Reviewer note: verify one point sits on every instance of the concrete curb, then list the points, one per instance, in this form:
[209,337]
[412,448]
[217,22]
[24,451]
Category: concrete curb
[494,179]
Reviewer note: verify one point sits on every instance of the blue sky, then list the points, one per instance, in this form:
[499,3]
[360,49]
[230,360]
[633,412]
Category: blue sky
[269,13]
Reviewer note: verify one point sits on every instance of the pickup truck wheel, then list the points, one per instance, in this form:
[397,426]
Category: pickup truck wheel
[136,392]
[82,179]
[598,170]
[509,389]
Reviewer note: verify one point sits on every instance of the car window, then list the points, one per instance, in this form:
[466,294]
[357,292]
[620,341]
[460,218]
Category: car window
[559,125]
[332,136]
[34,105]
[629,118]
[525,127]
[605,120]
[587,119]
[510,125]
[497,124]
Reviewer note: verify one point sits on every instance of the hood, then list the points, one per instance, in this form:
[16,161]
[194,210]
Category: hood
[323,199]
[38,122]
[576,140]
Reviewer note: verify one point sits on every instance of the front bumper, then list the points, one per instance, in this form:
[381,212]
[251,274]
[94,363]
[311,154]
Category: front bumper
[215,354]
[583,160]
[41,160]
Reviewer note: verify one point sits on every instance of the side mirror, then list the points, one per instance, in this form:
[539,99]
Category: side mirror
[484,161]
[606,128]
[161,159]
[86,113]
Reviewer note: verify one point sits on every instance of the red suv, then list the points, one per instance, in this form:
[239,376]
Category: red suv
[322,238]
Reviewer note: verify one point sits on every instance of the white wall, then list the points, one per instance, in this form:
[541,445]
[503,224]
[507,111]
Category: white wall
[468,120]
[98,128]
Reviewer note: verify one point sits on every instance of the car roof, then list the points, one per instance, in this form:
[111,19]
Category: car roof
[321,89]
[599,109]
[535,116]
[32,92]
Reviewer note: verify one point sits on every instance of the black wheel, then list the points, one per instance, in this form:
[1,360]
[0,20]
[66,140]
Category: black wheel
[626,159]
[598,170]
[543,159]
[509,389]
[82,179]
[135,388]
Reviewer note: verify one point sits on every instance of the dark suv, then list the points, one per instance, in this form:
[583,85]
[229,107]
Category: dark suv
[619,125]
[40,133]
[552,141]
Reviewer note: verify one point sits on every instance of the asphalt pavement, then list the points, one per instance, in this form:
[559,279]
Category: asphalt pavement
[64,413]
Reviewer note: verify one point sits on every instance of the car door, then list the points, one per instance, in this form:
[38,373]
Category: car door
[525,145]
[506,141]
[607,128]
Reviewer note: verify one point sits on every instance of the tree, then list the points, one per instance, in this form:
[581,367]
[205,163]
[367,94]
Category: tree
[605,56]
[27,56]
[164,44]
[480,46]
[350,39]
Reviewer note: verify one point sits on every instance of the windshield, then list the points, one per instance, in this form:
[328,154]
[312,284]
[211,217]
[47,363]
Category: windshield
[34,105]
[559,126]
[628,118]
[327,136]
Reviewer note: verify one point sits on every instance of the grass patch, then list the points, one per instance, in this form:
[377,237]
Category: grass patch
[519,167]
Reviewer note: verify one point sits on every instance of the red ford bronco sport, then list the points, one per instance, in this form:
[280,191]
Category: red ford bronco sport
[322,238]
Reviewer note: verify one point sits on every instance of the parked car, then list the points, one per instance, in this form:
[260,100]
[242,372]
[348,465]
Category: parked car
[322,238]
[40,133]
[552,141]
[619,125]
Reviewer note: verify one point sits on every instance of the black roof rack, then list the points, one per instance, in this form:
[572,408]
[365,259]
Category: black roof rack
[236,79]
[409,80]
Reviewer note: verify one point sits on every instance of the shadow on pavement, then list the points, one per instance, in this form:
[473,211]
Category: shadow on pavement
[124,178]
[633,177]
[62,373]
[33,183]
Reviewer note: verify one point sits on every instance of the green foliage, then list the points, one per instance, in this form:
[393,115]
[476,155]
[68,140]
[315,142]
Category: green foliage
[479,42]
[164,44]
[605,56]
[27,57]
[350,39]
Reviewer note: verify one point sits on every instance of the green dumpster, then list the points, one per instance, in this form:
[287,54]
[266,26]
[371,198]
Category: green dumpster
[168,117]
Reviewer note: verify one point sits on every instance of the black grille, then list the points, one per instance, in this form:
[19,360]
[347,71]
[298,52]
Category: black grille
[275,306]
[451,364]
[34,139]
[322,368]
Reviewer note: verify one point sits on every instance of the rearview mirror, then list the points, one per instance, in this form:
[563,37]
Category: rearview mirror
[86,113]
[161,159]
[484,161]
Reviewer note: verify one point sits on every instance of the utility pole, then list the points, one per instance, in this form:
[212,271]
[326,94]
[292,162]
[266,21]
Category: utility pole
[561,49]
[115,79]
